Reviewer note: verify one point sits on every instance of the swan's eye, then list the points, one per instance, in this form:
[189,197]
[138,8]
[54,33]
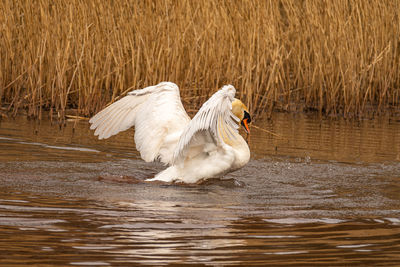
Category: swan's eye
[247,116]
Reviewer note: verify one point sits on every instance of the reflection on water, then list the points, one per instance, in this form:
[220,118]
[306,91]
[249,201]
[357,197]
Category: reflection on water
[326,193]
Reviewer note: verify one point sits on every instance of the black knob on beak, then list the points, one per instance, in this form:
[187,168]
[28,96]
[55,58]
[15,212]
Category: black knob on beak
[246,120]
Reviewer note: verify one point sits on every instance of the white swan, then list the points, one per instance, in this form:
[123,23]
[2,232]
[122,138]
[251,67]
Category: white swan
[207,146]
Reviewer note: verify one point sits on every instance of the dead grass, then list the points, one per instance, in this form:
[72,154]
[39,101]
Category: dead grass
[336,57]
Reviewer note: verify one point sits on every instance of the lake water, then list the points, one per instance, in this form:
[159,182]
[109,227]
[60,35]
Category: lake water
[325,192]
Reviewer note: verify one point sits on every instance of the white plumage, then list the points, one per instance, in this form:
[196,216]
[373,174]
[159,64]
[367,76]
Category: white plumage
[207,146]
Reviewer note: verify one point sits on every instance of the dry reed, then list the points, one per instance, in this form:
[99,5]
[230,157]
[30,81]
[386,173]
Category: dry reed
[336,57]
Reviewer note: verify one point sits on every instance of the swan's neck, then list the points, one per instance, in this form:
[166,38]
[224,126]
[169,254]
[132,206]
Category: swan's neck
[242,153]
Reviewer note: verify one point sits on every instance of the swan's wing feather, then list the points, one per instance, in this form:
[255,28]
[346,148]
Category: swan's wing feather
[214,119]
[157,114]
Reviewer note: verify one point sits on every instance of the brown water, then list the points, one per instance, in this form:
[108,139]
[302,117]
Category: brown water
[329,194]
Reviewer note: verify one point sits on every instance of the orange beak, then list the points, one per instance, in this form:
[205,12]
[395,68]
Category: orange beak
[245,121]
[246,126]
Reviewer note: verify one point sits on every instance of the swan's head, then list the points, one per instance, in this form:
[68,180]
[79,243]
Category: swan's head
[240,110]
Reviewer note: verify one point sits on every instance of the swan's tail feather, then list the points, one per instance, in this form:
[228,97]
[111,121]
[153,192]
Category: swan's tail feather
[168,175]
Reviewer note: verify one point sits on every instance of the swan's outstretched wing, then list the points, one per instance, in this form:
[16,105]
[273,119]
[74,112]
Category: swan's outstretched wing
[212,127]
[157,114]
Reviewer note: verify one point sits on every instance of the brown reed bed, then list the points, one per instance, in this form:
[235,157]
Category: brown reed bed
[335,57]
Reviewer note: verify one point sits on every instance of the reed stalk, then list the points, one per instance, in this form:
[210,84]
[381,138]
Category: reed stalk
[335,57]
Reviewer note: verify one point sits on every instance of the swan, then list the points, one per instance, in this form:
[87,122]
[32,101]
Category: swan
[207,146]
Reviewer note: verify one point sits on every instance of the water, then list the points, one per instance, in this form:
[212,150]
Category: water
[324,193]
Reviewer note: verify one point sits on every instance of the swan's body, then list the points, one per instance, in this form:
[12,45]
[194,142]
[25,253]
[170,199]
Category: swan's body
[207,146]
